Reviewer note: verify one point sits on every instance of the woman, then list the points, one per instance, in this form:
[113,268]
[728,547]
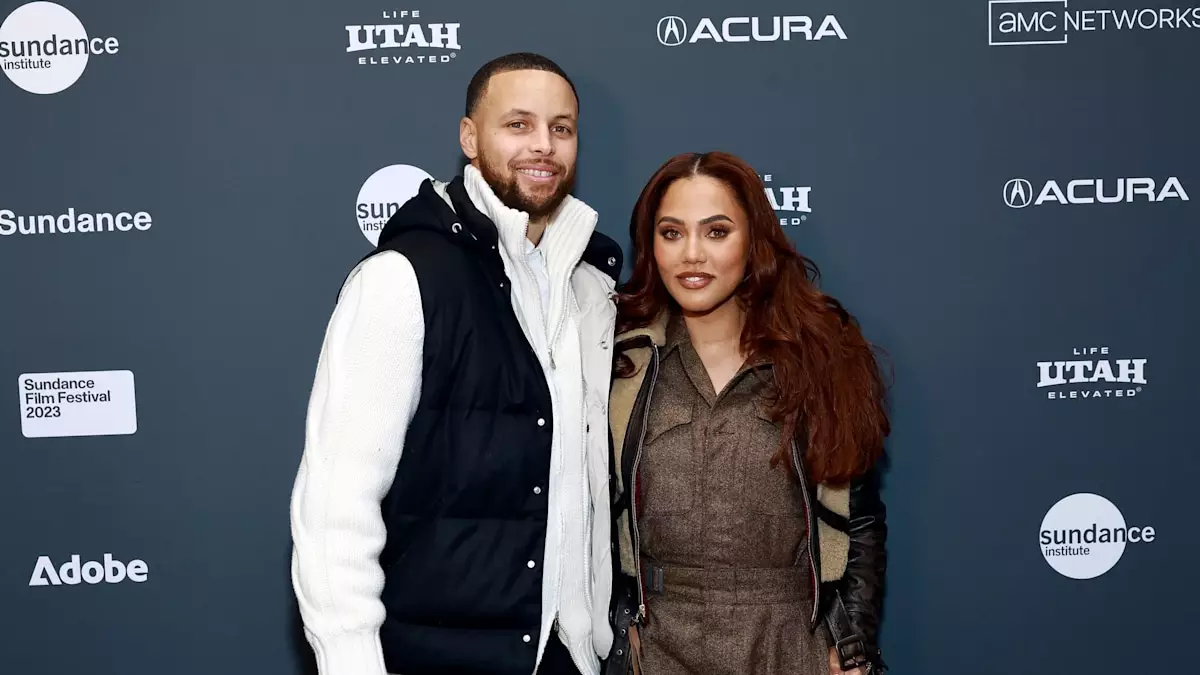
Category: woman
[748,418]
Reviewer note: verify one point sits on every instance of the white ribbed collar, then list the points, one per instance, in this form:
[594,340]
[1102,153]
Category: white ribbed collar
[562,245]
[566,236]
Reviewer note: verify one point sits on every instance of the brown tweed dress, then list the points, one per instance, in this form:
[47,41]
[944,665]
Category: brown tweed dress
[722,532]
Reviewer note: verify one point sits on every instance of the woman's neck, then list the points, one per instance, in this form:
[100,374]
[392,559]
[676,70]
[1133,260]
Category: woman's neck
[718,329]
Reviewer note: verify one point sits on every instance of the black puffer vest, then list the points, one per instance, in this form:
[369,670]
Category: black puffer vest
[467,511]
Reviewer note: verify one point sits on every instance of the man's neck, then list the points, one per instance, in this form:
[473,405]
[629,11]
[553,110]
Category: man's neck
[535,230]
[574,221]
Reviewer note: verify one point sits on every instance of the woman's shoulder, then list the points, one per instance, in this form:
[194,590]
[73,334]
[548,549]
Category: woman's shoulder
[655,330]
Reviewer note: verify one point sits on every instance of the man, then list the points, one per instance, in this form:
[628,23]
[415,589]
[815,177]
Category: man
[450,513]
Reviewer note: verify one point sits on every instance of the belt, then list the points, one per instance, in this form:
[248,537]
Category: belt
[729,585]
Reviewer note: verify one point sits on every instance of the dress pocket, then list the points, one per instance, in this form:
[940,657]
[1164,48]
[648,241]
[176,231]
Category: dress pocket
[667,468]
[765,489]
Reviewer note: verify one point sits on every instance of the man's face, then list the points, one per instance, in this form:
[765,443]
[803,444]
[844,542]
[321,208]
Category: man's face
[523,139]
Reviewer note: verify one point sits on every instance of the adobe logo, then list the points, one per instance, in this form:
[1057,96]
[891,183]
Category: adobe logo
[74,572]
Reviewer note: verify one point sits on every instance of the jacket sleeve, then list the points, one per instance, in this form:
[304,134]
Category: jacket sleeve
[857,605]
[367,383]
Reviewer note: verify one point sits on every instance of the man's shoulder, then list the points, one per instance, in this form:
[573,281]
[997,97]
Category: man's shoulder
[446,275]
[381,269]
[604,256]
[428,250]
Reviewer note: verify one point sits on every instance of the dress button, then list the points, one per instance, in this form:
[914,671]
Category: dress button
[537,490]
[541,422]
[531,564]
[526,638]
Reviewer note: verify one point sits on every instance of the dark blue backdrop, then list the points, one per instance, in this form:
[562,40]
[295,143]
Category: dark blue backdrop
[987,185]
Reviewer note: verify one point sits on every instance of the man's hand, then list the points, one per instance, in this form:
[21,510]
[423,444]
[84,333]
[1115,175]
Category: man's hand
[835,666]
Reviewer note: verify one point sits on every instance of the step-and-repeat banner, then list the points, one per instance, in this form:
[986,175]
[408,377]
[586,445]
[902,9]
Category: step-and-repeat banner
[1005,192]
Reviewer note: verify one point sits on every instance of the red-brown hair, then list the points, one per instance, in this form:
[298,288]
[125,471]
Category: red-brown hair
[827,384]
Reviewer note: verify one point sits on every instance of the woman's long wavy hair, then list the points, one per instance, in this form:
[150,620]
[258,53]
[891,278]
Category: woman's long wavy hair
[827,385]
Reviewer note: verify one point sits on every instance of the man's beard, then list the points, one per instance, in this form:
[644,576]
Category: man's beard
[508,190]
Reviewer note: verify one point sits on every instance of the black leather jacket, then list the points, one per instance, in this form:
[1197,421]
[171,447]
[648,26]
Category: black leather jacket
[849,607]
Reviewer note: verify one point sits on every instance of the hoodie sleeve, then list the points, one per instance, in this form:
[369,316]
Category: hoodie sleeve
[367,384]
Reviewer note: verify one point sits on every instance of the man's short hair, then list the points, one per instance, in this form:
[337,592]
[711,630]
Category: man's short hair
[507,64]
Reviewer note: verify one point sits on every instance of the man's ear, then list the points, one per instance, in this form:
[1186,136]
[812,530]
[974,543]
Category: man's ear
[468,138]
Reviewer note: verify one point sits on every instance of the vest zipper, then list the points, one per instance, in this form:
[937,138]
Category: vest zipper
[637,458]
[811,524]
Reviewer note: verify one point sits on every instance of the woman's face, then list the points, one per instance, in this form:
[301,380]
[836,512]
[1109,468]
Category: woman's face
[701,243]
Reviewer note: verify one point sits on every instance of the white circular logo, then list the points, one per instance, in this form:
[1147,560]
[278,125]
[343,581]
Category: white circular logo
[383,194]
[44,47]
[1018,193]
[1084,535]
[672,31]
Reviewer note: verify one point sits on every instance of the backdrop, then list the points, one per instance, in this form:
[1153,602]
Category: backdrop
[1005,193]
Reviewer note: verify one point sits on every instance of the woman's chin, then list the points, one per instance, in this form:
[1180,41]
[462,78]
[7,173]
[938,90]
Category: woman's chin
[695,304]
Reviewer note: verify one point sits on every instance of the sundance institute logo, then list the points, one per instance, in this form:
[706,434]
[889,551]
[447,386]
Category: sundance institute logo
[1084,535]
[383,194]
[44,47]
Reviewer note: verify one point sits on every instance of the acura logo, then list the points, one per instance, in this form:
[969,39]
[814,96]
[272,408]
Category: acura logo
[1018,193]
[671,31]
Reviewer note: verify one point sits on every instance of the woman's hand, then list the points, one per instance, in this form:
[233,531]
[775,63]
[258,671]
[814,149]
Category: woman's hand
[835,666]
